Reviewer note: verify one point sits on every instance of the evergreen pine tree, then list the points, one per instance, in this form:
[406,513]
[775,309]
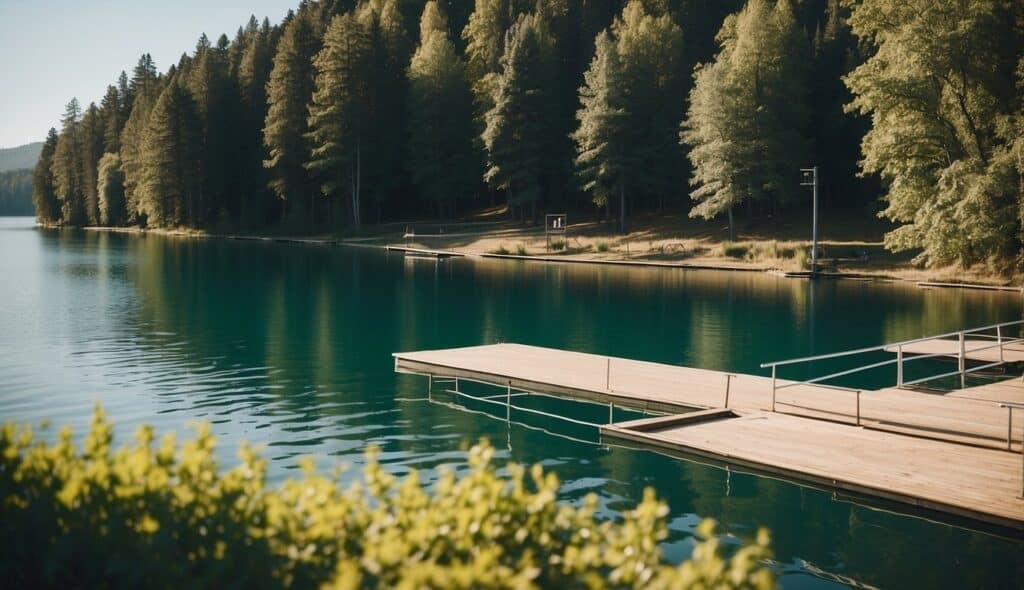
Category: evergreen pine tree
[111,120]
[289,91]
[253,72]
[67,168]
[91,150]
[441,158]
[383,147]
[143,91]
[747,117]
[517,138]
[111,190]
[209,85]
[44,193]
[339,114]
[604,160]
[168,192]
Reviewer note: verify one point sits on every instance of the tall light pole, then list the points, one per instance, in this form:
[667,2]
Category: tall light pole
[810,178]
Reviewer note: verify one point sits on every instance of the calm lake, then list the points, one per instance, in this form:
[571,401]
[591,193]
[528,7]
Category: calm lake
[289,347]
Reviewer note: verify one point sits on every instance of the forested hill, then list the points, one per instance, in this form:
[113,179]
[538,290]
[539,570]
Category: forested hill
[359,111]
[16,192]
[21,157]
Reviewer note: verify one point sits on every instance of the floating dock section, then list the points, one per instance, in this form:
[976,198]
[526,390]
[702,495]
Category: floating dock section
[958,453]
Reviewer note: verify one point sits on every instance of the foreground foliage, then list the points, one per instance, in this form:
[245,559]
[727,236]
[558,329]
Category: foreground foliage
[163,515]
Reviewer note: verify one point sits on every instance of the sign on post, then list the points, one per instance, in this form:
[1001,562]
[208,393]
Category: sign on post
[554,224]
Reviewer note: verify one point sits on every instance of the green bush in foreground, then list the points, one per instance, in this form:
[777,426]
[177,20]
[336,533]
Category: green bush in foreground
[161,515]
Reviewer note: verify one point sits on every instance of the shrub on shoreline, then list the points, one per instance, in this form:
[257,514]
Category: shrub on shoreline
[162,515]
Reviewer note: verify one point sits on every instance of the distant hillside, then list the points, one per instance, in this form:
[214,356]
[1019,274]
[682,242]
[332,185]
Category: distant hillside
[21,157]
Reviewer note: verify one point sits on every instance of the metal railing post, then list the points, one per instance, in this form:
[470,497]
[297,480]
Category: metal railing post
[774,367]
[899,365]
[430,387]
[999,339]
[962,363]
[508,403]
[611,412]
[1009,429]
[608,375]
[728,379]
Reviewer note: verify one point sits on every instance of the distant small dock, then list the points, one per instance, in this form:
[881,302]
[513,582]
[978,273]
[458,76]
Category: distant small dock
[958,453]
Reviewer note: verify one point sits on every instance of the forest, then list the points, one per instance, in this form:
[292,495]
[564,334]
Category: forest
[349,113]
[16,192]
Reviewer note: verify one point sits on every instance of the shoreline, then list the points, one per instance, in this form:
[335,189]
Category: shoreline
[379,243]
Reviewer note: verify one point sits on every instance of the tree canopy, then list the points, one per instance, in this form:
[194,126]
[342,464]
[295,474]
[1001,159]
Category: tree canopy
[350,112]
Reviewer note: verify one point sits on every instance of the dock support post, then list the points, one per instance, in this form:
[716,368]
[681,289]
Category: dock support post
[508,403]
[858,407]
[611,412]
[962,363]
[899,365]
[430,387]
[728,378]
[774,367]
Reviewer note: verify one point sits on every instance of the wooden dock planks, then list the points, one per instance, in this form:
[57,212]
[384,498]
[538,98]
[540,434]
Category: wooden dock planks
[660,387]
[943,452]
[973,482]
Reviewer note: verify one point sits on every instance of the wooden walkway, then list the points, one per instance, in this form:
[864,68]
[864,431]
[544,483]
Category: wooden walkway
[667,388]
[971,482]
[909,446]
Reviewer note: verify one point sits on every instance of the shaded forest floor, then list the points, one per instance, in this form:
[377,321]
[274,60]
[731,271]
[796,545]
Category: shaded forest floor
[850,242]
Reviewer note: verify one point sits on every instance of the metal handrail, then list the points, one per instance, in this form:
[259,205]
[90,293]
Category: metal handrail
[889,345]
[961,355]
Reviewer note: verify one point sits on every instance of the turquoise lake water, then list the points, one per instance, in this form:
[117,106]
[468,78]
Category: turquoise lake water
[289,346]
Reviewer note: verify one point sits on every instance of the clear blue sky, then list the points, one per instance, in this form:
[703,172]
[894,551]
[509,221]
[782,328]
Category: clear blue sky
[53,50]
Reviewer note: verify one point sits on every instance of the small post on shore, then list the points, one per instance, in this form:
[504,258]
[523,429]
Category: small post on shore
[810,178]
[728,379]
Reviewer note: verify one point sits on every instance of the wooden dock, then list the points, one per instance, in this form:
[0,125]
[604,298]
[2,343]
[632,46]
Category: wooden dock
[971,482]
[658,387]
[898,444]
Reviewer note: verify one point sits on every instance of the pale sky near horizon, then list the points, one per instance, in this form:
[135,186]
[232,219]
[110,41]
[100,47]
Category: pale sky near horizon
[53,50]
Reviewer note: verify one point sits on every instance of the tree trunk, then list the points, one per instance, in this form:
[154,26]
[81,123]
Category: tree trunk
[732,228]
[622,207]
[356,194]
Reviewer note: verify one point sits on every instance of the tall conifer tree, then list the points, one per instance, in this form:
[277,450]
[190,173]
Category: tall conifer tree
[747,118]
[517,136]
[169,185]
[67,167]
[44,193]
[289,92]
[339,116]
[441,156]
